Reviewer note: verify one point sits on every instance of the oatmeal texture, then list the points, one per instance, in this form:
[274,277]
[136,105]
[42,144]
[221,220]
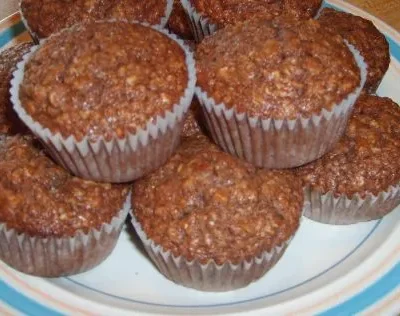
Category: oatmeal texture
[46,17]
[9,123]
[366,38]
[207,205]
[366,159]
[103,79]
[178,22]
[279,69]
[226,12]
[39,198]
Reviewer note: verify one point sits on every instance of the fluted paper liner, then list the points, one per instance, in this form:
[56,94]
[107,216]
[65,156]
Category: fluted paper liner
[342,210]
[36,38]
[168,11]
[210,276]
[61,256]
[117,160]
[271,143]
[200,26]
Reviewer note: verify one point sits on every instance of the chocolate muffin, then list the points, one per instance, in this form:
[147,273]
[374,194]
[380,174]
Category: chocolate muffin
[363,34]
[178,22]
[46,17]
[207,15]
[9,122]
[205,215]
[359,179]
[113,92]
[51,223]
[267,87]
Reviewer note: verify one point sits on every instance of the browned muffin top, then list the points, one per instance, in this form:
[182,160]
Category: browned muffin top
[103,79]
[366,38]
[225,12]
[205,204]
[367,158]
[178,22]
[40,198]
[279,69]
[9,58]
[46,17]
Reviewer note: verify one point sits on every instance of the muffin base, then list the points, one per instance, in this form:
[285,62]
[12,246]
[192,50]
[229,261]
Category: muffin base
[341,210]
[116,160]
[209,277]
[61,256]
[271,143]
[200,26]
[34,36]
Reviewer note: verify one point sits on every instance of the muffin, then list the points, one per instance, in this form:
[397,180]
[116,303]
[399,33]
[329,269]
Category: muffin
[277,93]
[178,22]
[206,16]
[45,17]
[51,223]
[366,38]
[9,122]
[107,98]
[194,120]
[359,179]
[212,222]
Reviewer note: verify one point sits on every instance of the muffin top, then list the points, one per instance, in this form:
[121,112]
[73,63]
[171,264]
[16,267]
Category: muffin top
[178,22]
[103,79]
[226,12]
[366,38]
[40,198]
[46,17]
[9,58]
[367,158]
[204,204]
[279,69]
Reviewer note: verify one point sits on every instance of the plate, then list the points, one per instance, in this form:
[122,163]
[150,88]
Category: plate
[327,270]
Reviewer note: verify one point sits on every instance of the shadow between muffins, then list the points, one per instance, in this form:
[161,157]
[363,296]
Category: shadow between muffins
[135,240]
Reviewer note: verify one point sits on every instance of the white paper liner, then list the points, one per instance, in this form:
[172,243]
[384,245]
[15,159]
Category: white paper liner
[36,38]
[209,277]
[168,11]
[200,26]
[61,256]
[341,210]
[271,143]
[118,160]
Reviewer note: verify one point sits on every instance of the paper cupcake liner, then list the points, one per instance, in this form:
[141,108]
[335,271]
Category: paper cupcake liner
[200,26]
[168,10]
[36,38]
[115,160]
[341,210]
[271,143]
[61,256]
[210,276]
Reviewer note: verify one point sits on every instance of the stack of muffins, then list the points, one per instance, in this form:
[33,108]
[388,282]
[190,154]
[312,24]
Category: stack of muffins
[216,185]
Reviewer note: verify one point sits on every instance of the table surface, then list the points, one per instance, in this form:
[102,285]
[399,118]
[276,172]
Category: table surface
[386,10]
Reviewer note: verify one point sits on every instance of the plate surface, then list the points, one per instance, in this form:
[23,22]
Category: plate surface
[327,270]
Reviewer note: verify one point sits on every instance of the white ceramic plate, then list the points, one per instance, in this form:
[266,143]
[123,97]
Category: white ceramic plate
[327,270]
